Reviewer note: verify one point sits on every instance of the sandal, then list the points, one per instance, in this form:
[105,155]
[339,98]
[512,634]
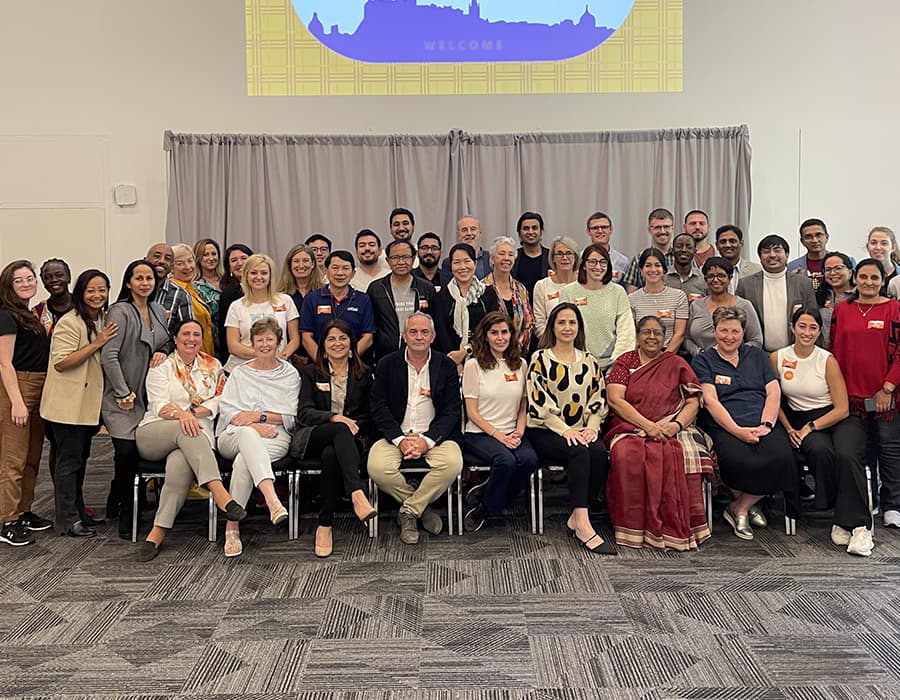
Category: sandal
[233,545]
[603,548]
[279,515]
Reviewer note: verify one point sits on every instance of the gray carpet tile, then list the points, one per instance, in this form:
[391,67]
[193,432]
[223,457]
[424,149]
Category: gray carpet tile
[501,614]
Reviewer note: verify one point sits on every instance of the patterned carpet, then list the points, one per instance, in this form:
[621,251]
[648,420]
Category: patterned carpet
[498,614]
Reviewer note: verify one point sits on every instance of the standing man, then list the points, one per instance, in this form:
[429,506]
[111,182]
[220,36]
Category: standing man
[685,275]
[696,224]
[813,237]
[371,264]
[468,230]
[337,299]
[428,256]
[416,407]
[660,226]
[775,295]
[730,243]
[533,259]
[321,248]
[168,295]
[402,224]
[396,296]
[600,230]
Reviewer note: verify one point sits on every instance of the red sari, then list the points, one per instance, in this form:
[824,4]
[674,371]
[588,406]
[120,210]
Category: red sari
[655,488]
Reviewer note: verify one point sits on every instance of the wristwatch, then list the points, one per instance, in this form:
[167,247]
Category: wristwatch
[263,417]
[811,426]
[768,425]
[193,409]
[889,393]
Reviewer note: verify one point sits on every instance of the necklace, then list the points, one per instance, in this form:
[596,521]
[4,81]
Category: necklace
[868,311]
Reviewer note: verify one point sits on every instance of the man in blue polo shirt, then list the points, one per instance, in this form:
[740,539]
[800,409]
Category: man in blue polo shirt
[337,299]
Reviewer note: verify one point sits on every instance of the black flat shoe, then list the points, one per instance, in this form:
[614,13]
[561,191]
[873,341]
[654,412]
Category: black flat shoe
[125,534]
[604,547]
[147,551]
[79,529]
[234,511]
[88,521]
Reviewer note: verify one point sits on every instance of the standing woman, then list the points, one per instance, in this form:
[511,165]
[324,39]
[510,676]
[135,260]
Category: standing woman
[300,275]
[24,354]
[235,257]
[668,304]
[142,342]
[511,293]
[334,423]
[566,407]
[608,321]
[260,300]
[836,286]
[56,277]
[208,279]
[882,245]
[184,269]
[864,340]
[564,269]
[72,395]
[493,388]
[460,305]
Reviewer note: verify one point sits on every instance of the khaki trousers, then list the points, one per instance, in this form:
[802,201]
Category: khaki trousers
[20,447]
[445,461]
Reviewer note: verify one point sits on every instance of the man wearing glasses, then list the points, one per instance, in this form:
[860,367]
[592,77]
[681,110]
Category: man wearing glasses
[813,237]
[396,296]
[600,230]
[428,257]
[774,294]
[659,226]
[321,248]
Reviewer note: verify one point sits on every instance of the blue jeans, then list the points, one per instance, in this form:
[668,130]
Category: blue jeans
[510,469]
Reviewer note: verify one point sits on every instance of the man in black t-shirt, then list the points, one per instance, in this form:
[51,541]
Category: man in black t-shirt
[533,259]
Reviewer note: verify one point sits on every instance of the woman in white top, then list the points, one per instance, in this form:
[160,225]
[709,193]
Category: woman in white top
[257,414]
[667,304]
[260,300]
[182,401]
[564,270]
[815,413]
[493,387]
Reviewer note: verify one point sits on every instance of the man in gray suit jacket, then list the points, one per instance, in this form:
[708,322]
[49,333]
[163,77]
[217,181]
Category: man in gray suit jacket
[775,295]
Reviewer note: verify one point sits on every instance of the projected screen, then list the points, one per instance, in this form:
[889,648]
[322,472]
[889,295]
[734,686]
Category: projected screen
[426,47]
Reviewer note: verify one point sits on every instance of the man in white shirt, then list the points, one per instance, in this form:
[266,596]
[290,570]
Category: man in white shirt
[371,264]
[416,409]
[600,230]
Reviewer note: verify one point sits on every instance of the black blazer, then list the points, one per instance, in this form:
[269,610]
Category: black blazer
[314,406]
[446,339]
[391,388]
[387,325]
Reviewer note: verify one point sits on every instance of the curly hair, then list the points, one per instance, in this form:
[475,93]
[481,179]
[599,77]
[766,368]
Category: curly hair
[481,348]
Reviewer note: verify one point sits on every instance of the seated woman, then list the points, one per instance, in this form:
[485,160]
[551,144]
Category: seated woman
[460,305]
[257,413]
[493,388]
[815,412]
[182,401]
[668,304]
[741,398]
[334,424]
[566,407]
[658,457]
[184,271]
[510,291]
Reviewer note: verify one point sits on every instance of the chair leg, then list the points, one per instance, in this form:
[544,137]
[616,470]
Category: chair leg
[531,502]
[450,515]
[540,501]
[134,509]
[292,509]
[373,499]
[213,519]
[708,503]
[459,505]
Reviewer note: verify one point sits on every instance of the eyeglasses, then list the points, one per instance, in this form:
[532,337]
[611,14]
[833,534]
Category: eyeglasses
[400,258]
[563,254]
[19,281]
[429,248]
[598,228]
[836,268]
[320,249]
[651,332]
[599,264]
[717,276]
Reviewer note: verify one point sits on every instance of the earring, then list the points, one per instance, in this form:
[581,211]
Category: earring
[350,353]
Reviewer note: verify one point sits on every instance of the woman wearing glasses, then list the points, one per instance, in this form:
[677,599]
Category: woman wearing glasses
[563,271]
[608,322]
[701,334]
[836,286]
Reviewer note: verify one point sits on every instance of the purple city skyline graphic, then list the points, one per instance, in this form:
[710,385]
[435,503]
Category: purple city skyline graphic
[401,31]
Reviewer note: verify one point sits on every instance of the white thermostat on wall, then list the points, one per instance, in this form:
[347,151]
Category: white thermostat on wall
[125,195]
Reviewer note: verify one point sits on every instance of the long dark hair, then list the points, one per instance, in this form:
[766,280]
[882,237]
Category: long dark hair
[354,364]
[582,265]
[125,291]
[10,301]
[548,339]
[825,292]
[78,303]
[481,349]
[854,295]
[228,278]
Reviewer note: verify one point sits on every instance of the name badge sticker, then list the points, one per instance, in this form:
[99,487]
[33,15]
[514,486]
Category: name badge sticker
[722,379]
[323,309]
[876,324]
[664,313]
[553,295]
[278,307]
[789,363]
[580,301]
[795,307]
[694,297]
[423,303]
[514,377]
[424,392]
[323,386]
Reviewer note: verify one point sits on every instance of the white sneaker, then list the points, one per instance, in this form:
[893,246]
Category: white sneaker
[861,542]
[892,518]
[840,536]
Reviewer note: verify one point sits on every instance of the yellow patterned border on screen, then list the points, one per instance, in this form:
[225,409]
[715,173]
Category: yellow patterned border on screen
[284,59]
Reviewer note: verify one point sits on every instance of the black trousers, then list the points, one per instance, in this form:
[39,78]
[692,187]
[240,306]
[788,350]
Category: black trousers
[125,462]
[586,465]
[72,446]
[342,460]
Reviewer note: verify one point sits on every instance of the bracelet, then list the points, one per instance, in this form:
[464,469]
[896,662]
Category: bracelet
[678,423]
[126,399]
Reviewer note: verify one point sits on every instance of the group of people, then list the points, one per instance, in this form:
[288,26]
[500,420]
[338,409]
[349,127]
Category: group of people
[640,376]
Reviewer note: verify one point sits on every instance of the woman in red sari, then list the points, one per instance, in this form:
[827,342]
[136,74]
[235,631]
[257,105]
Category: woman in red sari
[658,456]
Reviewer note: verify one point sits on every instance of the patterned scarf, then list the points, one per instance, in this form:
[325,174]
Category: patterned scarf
[461,307]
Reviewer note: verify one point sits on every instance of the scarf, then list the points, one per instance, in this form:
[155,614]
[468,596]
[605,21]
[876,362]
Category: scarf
[461,307]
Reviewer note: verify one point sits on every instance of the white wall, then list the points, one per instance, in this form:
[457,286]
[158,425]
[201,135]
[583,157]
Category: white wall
[90,86]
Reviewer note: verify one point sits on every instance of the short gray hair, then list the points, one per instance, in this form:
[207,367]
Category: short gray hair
[569,243]
[730,313]
[179,250]
[501,240]
[419,314]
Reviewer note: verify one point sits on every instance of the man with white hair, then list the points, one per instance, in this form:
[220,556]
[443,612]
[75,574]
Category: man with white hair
[468,230]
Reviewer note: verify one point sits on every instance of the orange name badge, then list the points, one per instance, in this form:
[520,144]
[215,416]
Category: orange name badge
[423,303]
[514,377]
[278,307]
[788,374]
[616,274]
[694,297]
[877,324]
[723,380]
[323,386]
[580,301]
[789,363]
[553,295]
[323,309]
[424,392]
[664,313]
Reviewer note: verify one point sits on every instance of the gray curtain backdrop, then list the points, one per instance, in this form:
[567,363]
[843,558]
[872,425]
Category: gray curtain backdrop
[271,192]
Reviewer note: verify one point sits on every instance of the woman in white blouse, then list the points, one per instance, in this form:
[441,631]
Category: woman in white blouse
[258,412]
[493,387]
[564,269]
[182,401]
